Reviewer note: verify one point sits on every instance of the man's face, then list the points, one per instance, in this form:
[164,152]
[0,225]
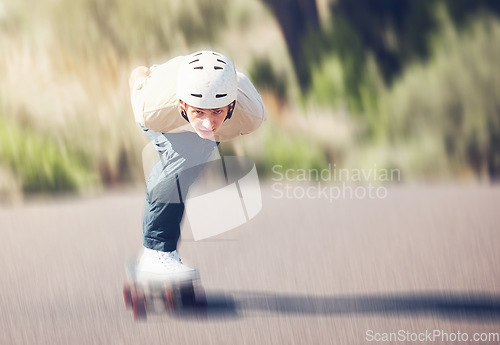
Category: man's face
[205,121]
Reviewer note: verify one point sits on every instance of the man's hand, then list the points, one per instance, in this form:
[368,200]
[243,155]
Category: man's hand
[140,72]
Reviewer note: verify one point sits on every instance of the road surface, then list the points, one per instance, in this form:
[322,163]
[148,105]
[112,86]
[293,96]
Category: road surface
[304,271]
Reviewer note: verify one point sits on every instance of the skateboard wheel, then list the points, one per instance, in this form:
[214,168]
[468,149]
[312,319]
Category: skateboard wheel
[139,305]
[127,296]
[188,297]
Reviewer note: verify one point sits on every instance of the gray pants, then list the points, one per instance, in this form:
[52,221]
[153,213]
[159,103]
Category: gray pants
[182,157]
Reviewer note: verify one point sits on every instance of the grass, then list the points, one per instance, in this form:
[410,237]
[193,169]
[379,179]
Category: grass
[66,123]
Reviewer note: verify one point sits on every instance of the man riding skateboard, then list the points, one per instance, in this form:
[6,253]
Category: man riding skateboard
[186,107]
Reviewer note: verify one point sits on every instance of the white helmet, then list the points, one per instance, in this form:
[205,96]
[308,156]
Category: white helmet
[208,80]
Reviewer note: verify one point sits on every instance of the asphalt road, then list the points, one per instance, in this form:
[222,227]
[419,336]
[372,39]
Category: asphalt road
[304,271]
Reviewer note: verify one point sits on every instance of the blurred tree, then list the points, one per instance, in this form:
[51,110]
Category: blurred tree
[397,31]
[296,18]
[394,31]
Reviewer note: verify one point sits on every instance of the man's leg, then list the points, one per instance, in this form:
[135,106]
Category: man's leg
[182,157]
[162,219]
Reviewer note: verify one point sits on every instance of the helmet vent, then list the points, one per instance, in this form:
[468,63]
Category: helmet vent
[196,60]
[198,95]
[218,67]
[224,62]
[220,95]
[199,67]
[198,54]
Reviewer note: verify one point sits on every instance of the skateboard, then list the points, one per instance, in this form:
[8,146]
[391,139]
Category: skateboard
[143,296]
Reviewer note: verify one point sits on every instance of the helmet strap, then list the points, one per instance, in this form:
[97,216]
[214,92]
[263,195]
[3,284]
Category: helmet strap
[230,110]
[184,115]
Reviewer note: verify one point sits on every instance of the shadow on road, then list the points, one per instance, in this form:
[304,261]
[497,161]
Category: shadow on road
[466,306]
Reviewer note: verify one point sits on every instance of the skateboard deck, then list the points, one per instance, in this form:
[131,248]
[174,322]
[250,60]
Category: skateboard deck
[143,296]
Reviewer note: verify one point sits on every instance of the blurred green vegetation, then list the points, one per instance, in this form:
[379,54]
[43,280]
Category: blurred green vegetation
[450,104]
[408,85]
[40,163]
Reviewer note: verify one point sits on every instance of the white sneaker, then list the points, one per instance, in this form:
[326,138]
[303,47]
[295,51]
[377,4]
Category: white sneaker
[157,266]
